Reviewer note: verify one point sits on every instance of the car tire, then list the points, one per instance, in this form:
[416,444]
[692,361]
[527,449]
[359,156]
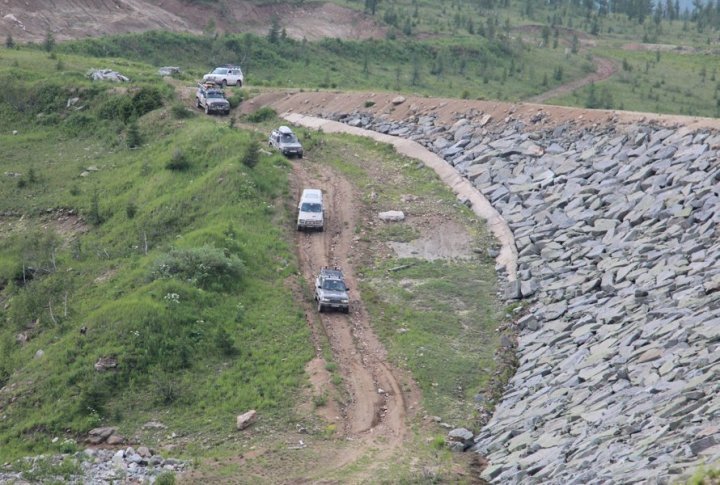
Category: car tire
[320,307]
[197,103]
[207,109]
[238,83]
[346,310]
[223,83]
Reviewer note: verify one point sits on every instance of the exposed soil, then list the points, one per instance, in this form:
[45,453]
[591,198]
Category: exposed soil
[604,68]
[74,19]
[442,239]
[449,110]
[377,405]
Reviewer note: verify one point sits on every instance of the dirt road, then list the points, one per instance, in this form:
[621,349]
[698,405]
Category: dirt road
[375,412]
[604,68]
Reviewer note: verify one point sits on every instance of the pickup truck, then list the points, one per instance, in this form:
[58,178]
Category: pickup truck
[211,99]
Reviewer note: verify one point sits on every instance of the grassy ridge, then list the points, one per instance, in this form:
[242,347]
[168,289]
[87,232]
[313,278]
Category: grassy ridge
[177,275]
[472,67]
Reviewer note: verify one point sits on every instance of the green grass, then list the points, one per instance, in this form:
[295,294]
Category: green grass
[659,82]
[705,476]
[197,345]
[437,318]
[473,66]
[182,274]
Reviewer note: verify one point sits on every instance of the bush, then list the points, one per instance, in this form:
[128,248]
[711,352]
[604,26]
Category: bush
[131,210]
[146,100]
[166,478]
[251,157]
[206,267]
[225,342]
[236,99]
[133,138]
[180,111]
[369,103]
[178,161]
[263,114]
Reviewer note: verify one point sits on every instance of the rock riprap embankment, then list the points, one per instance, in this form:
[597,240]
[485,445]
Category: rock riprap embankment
[617,229]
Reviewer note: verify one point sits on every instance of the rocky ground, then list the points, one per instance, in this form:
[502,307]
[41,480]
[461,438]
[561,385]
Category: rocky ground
[95,466]
[615,219]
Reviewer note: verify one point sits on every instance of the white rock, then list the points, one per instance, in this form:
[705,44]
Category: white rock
[392,216]
[246,419]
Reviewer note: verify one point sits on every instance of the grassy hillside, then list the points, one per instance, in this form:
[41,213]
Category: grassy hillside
[136,237]
[461,67]
[176,268]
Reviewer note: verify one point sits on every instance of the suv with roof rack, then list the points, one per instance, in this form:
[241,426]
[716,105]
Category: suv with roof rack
[211,99]
[331,291]
[285,140]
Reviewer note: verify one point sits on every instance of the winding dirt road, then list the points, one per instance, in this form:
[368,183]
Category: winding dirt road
[604,68]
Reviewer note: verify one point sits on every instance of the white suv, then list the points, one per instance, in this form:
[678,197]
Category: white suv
[225,75]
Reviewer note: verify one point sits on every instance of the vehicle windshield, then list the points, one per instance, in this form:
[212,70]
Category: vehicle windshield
[214,94]
[333,285]
[311,207]
[288,138]
[219,71]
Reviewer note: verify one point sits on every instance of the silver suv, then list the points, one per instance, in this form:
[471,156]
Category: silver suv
[285,140]
[331,291]
[211,99]
[227,75]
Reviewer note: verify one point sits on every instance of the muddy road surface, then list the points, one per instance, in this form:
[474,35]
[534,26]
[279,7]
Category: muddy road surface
[375,410]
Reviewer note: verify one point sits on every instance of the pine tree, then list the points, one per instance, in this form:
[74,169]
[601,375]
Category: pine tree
[49,42]
[274,32]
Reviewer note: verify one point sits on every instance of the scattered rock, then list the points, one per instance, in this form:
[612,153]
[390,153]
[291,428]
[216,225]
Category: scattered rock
[106,75]
[168,70]
[246,419]
[392,216]
[105,363]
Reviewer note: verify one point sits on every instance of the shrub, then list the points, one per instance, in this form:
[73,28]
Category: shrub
[179,111]
[116,108]
[207,267]
[166,478]
[94,217]
[133,137]
[263,114]
[225,342]
[146,100]
[251,157]
[178,161]
[369,103]
[131,210]
[438,443]
[236,98]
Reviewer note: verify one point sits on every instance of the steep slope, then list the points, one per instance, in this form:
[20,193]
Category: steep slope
[73,19]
